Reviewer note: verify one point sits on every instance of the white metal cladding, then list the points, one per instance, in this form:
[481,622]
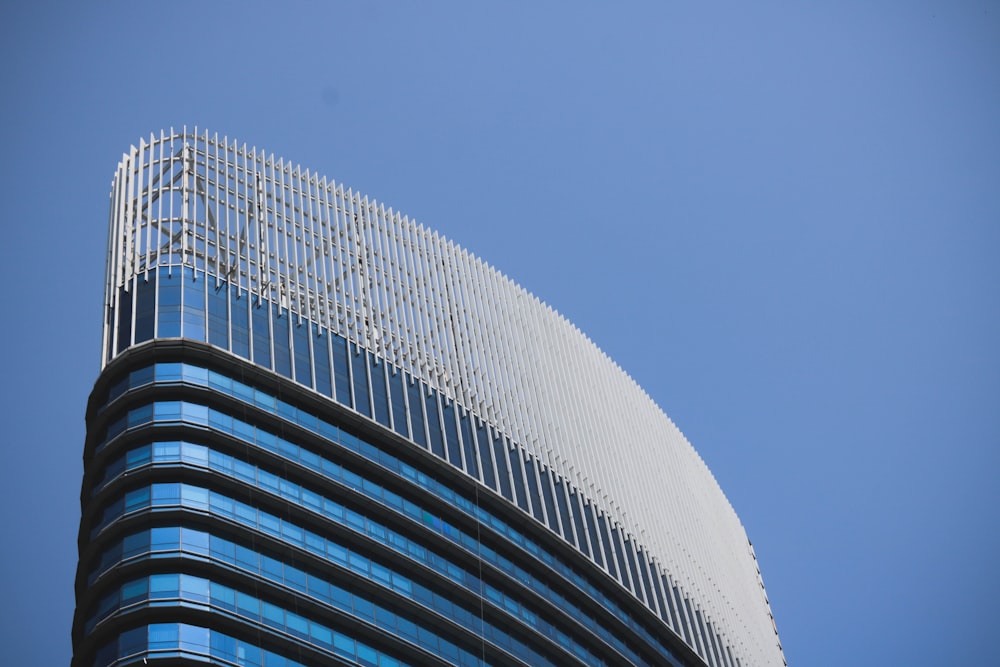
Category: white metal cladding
[337,258]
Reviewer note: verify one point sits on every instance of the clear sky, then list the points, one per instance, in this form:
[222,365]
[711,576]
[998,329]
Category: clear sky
[781,218]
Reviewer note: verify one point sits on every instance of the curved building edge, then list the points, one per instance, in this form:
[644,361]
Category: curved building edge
[335,259]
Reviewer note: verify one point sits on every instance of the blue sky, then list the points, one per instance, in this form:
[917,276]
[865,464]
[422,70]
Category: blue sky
[781,218]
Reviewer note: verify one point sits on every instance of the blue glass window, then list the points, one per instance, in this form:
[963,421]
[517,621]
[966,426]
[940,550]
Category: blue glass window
[194,305]
[550,507]
[468,445]
[483,441]
[699,633]
[417,421]
[434,424]
[518,474]
[218,314]
[503,467]
[359,373]
[163,636]
[595,547]
[261,335]
[238,308]
[633,569]
[282,346]
[669,613]
[379,395]
[643,564]
[124,318]
[169,307]
[683,610]
[451,433]
[341,370]
[605,530]
[567,521]
[623,573]
[145,308]
[303,368]
[397,389]
[321,353]
[581,535]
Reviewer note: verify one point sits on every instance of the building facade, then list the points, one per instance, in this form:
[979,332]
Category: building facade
[325,435]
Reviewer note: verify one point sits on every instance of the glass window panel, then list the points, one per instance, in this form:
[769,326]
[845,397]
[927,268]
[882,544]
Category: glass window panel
[503,467]
[135,544]
[194,453]
[321,635]
[341,598]
[595,547]
[533,492]
[434,424]
[300,338]
[194,305]
[633,570]
[133,641]
[407,628]
[137,498]
[238,309]
[550,506]
[248,654]
[367,655]
[194,496]
[562,503]
[164,586]
[169,306]
[145,309]
[297,625]
[247,558]
[468,444]
[604,529]
[272,569]
[193,638]
[343,645]
[135,590]
[643,565]
[248,606]
[321,354]
[218,314]
[683,610]
[194,588]
[261,335]
[282,347]
[515,467]
[380,396]
[163,636]
[359,373]
[364,609]
[417,432]
[342,378]
[273,615]
[222,596]
[194,540]
[483,442]
[451,433]
[398,401]
[577,513]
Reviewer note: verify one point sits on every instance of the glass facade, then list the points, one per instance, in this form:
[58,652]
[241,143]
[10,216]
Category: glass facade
[263,487]
[334,508]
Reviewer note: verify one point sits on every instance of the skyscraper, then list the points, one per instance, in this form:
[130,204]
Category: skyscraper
[324,435]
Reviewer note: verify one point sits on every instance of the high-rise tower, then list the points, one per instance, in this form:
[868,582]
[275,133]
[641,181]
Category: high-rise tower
[325,435]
